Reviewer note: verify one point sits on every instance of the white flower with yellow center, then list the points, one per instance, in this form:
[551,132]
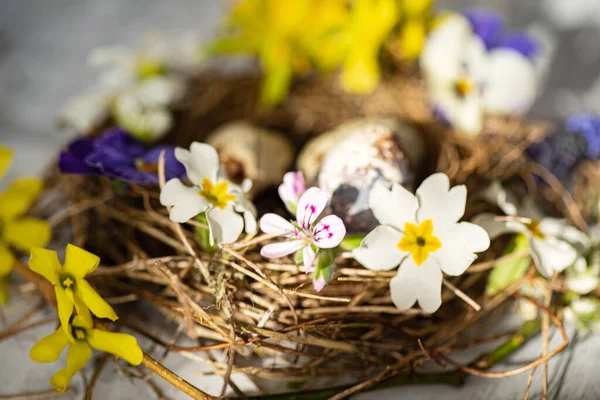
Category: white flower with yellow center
[463,79]
[422,235]
[212,194]
[552,242]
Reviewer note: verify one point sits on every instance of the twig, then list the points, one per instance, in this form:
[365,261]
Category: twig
[462,295]
[47,394]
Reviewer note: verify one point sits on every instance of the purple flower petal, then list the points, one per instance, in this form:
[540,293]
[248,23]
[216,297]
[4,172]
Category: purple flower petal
[486,24]
[521,42]
[588,126]
[71,164]
[173,168]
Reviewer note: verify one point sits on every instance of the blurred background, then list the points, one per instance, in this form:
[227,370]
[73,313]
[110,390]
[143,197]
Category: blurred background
[44,45]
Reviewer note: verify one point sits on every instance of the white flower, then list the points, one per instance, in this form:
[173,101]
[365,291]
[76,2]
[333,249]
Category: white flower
[86,110]
[584,313]
[463,79]
[421,234]
[304,236]
[218,198]
[551,240]
[291,189]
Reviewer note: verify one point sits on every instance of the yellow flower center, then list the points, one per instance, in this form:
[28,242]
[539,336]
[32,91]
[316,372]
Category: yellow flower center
[147,68]
[67,281]
[463,87]
[534,228]
[216,194]
[419,241]
[79,334]
[146,167]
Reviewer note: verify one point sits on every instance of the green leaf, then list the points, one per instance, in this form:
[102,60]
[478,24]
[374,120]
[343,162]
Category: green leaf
[299,257]
[204,235]
[352,241]
[507,272]
[324,270]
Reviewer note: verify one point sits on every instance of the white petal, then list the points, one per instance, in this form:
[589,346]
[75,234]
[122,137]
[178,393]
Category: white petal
[200,162]
[310,206]
[459,245]
[511,83]
[583,284]
[497,228]
[417,283]
[560,228]
[379,250]
[248,212]
[444,49]
[225,225]
[329,232]
[186,201]
[496,194]
[308,256]
[393,207]
[273,223]
[476,58]
[276,250]
[552,255]
[437,202]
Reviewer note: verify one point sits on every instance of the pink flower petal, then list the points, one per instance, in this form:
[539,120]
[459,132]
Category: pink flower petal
[309,257]
[273,223]
[319,284]
[310,206]
[329,232]
[276,250]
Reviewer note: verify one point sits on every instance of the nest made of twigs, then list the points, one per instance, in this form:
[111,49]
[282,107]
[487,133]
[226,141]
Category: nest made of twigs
[252,306]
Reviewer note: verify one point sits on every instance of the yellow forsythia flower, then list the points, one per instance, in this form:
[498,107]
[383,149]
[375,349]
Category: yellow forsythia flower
[70,287]
[6,156]
[281,34]
[417,17]
[370,24]
[17,230]
[48,349]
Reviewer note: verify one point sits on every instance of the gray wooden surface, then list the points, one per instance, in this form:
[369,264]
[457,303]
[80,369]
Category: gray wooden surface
[43,48]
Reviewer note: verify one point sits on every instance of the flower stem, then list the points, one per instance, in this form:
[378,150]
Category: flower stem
[175,379]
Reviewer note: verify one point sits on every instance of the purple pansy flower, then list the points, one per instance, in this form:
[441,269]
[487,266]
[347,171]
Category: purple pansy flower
[489,26]
[587,126]
[119,156]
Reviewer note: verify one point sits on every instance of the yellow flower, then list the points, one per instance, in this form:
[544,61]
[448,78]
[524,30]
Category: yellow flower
[419,241]
[370,24]
[216,194]
[417,20]
[16,230]
[6,156]
[48,349]
[281,34]
[69,286]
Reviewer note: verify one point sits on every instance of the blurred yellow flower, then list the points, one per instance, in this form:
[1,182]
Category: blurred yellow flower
[370,24]
[69,286]
[6,156]
[282,35]
[17,230]
[48,349]
[417,19]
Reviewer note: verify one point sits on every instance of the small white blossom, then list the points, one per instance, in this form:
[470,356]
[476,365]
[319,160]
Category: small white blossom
[291,189]
[422,235]
[552,241]
[304,235]
[220,199]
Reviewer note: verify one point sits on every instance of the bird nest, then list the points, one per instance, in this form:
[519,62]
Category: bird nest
[255,309]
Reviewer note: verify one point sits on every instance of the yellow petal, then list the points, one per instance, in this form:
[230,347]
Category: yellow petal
[79,262]
[407,243]
[426,228]
[79,354]
[19,197]
[432,244]
[83,317]
[6,156]
[412,38]
[48,349]
[4,295]
[7,260]
[414,8]
[119,344]
[97,305]
[411,230]
[45,262]
[360,74]
[420,255]
[27,232]
[65,309]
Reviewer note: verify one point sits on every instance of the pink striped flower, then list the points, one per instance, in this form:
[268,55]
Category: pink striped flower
[291,189]
[304,236]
